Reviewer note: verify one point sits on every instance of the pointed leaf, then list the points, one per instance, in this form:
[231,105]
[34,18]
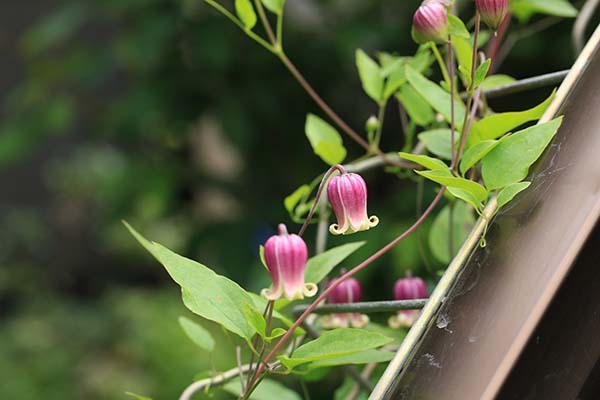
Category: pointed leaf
[481,72]
[418,109]
[524,9]
[510,160]
[442,178]
[456,27]
[463,221]
[474,154]
[508,193]
[336,343]
[426,161]
[364,357]
[245,12]
[204,292]
[325,140]
[319,266]
[496,125]
[437,97]
[370,75]
[196,332]
[275,6]
[291,201]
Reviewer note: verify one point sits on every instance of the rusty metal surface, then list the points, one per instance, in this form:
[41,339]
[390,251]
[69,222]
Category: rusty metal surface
[491,299]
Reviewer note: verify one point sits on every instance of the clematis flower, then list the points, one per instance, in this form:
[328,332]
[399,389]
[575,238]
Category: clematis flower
[348,197]
[286,255]
[492,11]
[430,22]
[349,291]
[408,288]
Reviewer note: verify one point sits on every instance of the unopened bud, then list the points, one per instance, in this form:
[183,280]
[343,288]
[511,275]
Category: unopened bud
[408,288]
[430,22]
[492,11]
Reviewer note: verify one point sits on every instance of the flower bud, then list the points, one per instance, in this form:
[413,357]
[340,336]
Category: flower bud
[286,256]
[492,11]
[408,288]
[372,124]
[348,197]
[430,22]
[349,291]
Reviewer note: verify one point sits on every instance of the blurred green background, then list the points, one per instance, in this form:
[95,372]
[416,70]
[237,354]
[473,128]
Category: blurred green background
[162,113]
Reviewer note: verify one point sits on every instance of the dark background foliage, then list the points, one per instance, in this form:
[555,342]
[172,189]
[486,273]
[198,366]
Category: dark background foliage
[162,113]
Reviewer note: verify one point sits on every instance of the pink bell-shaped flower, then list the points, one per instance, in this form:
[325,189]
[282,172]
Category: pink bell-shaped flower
[408,288]
[286,255]
[348,197]
[430,22]
[349,291]
[492,11]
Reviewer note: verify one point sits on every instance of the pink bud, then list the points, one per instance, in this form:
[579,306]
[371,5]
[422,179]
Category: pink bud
[492,11]
[286,256]
[408,288]
[430,22]
[349,291]
[348,197]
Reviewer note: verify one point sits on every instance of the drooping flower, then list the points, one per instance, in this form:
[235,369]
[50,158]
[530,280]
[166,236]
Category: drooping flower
[408,288]
[349,291]
[492,11]
[348,197]
[286,255]
[430,22]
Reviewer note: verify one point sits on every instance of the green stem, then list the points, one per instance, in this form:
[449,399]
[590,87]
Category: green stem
[380,116]
[265,22]
[440,61]
[375,256]
[240,25]
[280,29]
[452,100]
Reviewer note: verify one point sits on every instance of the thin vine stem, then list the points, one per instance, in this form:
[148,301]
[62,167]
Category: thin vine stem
[440,62]
[240,25]
[452,105]
[330,171]
[265,22]
[345,276]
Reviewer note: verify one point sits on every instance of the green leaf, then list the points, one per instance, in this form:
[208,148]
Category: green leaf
[437,97]
[204,292]
[524,9]
[275,6]
[456,27]
[137,396]
[291,201]
[465,75]
[443,178]
[464,52]
[260,303]
[196,332]
[463,221]
[466,196]
[336,343]
[495,81]
[481,72]
[418,109]
[395,72]
[364,357]
[509,192]
[261,253]
[474,154]
[496,125]
[510,160]
[426,161]
[246,13]
[255,318]
[325,140]
[438,142]
[267,390]
[319,266]
[370,75]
